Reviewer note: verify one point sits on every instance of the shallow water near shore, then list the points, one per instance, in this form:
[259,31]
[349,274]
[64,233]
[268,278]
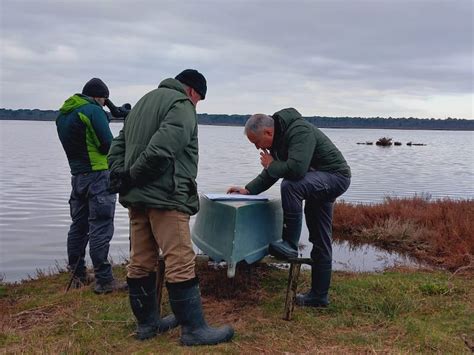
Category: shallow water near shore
[35,186]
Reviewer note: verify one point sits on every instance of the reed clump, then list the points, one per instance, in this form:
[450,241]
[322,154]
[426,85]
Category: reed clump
[440,232]
[384,142]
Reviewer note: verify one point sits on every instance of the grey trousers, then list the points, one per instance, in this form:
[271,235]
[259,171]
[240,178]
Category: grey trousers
[319,190]
[92,210]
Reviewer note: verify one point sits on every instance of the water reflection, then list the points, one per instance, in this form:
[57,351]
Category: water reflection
[368,258]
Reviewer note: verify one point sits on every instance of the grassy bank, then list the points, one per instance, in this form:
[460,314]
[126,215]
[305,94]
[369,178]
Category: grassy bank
[439,232]
[397,311]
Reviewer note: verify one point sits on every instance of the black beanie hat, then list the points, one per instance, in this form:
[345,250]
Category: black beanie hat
[195,80]
[96,88]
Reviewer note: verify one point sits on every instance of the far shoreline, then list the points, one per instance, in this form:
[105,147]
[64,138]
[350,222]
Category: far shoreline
[238,120]
[349,127]
[224,124]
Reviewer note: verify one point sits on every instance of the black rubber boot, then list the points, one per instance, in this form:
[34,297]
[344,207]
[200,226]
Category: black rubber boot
[287,248]
[185,300]
[320,281]
[142,294]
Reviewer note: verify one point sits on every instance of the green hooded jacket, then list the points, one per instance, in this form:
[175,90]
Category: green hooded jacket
[298,147]
[159,144]
[83,128]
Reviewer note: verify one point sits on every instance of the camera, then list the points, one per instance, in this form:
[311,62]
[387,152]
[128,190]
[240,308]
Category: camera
[118,112]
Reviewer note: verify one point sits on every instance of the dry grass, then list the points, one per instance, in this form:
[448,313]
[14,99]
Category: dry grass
[399,311]
[439,232]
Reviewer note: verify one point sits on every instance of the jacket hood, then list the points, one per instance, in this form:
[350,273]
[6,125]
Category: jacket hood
[74,102]
[284,118]
[173,84]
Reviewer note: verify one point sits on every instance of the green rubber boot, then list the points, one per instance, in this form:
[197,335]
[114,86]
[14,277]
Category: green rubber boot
[320,282]
[142,294]
[185,300]
[287,248]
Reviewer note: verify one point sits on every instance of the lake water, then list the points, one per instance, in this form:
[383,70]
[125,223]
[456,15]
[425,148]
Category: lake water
[35,185]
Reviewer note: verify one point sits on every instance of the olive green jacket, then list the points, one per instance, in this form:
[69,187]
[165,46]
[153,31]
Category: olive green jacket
[298,147]
[159,144]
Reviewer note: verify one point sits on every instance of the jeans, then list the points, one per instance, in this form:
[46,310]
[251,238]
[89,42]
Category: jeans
[92,210]
[319,189]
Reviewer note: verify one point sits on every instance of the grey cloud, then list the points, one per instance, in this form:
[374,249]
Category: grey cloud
[258,51]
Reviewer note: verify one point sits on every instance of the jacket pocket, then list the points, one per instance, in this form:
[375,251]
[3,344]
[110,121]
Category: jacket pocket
[168,182]
[192,187]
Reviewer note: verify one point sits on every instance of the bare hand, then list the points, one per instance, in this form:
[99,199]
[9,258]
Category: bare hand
[265,158]
[238,190]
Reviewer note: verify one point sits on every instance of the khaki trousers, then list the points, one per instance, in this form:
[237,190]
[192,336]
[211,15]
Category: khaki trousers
[153,229]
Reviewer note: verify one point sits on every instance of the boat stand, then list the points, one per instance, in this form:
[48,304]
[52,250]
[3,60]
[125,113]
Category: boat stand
[291,289]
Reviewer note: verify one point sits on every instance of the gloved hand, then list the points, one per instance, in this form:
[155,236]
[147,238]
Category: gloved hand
[118,112]
[124,110]
[120,181]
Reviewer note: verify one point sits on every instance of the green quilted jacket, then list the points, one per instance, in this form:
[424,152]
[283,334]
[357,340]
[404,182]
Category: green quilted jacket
[298,147]
[159,144]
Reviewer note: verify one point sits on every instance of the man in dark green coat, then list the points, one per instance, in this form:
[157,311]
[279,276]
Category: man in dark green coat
[313,170]
[153,165]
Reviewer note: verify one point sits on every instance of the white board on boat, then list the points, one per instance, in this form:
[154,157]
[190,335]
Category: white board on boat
[236,197]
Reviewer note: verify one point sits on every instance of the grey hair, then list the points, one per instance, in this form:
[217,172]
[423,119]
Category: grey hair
[257,122]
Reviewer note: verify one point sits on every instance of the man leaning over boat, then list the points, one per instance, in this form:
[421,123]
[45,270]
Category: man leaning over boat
[313,170]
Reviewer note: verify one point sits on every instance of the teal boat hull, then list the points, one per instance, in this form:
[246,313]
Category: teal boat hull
[234,231]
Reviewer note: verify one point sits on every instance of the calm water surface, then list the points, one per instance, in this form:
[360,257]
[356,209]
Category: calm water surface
[35,185]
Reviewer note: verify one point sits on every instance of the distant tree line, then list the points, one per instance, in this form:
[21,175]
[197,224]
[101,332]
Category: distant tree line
[319,121]
[355,122]
[28,115]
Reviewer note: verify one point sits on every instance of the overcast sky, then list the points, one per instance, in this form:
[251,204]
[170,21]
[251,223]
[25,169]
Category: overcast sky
[336,58]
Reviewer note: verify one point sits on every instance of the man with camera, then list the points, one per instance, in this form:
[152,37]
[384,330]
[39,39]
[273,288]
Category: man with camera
[84,131]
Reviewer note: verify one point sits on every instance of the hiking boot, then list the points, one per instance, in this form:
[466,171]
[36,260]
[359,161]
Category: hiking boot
[111,286]
[79,281]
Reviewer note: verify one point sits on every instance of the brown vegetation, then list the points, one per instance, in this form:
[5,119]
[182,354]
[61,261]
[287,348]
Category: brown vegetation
[439,232]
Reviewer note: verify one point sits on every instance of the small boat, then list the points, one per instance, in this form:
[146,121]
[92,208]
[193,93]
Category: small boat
[233,228]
